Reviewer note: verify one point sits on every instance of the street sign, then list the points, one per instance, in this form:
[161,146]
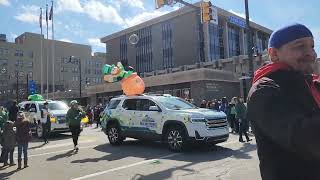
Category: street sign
[32,87]
[214,14]
[237,21]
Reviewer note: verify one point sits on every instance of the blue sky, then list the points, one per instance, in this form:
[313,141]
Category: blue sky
[86,21]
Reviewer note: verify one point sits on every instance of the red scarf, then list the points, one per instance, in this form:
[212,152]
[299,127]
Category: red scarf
[273,67]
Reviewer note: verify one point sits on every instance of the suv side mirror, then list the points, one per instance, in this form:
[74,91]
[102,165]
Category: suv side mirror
[154,108]
[32,110]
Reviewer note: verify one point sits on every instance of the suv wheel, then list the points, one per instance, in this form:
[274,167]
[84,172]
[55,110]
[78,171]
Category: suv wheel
[114,135]
[39,131]
[176,139]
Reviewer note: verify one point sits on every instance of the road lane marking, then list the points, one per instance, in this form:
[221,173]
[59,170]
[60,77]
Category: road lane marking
[124,167]
[56,152]
[61,145]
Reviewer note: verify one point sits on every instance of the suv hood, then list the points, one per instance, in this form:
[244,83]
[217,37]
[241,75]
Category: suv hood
[206,113]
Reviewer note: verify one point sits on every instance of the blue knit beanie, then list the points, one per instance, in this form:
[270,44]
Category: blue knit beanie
[287,34]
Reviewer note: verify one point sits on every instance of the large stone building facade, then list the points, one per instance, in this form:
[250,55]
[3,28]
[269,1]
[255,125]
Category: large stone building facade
[21,62]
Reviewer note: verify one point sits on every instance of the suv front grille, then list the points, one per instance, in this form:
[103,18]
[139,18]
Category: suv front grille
[216,123]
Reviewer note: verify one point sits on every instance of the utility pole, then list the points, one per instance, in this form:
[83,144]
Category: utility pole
[250,40]
[80,78]
[27,85]
[17,89]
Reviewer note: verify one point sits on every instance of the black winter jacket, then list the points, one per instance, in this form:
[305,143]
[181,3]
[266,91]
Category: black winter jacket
[286,122]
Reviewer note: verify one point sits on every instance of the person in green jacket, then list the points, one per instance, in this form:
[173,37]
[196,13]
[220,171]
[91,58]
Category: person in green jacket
[3,119]
[74,116]
[241,116]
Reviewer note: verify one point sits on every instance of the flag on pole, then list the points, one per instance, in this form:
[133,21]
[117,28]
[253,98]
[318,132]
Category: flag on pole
[40,18]
[51,12]
[47,13]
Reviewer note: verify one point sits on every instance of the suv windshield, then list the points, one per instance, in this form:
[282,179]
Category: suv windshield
[174,103]
[55,106]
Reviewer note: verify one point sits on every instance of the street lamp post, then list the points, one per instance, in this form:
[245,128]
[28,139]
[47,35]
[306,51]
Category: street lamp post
[250,40]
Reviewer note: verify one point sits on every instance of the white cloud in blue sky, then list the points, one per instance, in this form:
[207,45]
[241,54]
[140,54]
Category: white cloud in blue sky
[85,21]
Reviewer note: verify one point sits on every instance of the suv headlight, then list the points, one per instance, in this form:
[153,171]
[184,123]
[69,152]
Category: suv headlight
[197,119]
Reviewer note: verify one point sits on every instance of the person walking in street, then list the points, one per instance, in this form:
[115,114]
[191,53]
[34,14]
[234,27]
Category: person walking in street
[74,116]
[284,107]
[23,136]
[13,110]
[8,143]
[46,123]
[241,112]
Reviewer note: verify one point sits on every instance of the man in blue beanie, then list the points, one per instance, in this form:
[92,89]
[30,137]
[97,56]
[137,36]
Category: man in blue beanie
[284,107]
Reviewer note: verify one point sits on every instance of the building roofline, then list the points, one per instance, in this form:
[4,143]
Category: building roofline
[173,14]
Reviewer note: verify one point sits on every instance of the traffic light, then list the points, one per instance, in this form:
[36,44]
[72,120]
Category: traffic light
[160,3]
[206,12]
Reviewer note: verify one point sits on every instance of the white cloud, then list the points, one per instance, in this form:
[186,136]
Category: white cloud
[131,3]
[145,16]
[30,14]
[69,5]
[65,40]
[239,14]
[96,42]
[5,2]
[102,13]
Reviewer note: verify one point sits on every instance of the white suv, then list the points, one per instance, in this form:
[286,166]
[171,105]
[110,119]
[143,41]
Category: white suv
[57,109]
[162,117]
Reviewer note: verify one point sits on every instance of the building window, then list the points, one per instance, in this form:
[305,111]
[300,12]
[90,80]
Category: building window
[18,53]
[221,42]
[262,42]
[167,45]
[30,74]
[144,50]
[3,62]
[29,64]
[123,49]
[234,40]
[214,43]
[19,63]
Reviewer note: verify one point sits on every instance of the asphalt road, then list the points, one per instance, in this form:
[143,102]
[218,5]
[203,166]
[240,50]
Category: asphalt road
[98,160]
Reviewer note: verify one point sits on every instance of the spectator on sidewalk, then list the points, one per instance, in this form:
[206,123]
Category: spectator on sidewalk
[284,107]
[13,111]
[8,143]
[23,137]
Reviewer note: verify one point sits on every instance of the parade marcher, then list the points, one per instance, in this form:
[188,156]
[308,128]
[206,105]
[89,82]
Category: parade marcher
[8,143]
[74,116]
[46,123]
[284,107]
[23,136]
[13,110]
[241,113]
